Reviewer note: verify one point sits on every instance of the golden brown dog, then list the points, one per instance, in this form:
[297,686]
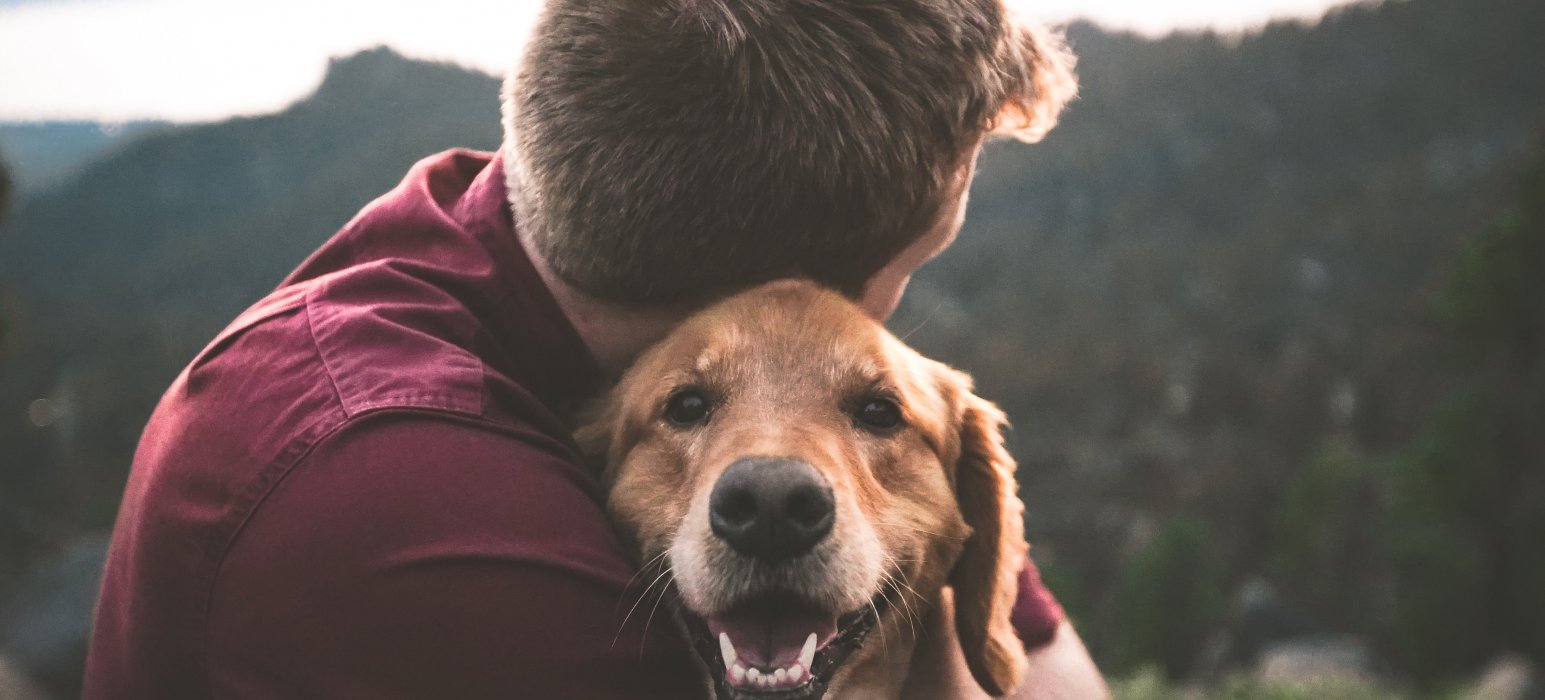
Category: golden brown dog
[808,485]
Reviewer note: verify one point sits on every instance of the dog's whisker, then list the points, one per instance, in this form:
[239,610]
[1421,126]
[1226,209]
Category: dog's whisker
[922,323]
[914,618]
[918,529]
[645,570]
[884,643]
[640,601]
[664,590]
[908,614]
[905,592]
[642,572]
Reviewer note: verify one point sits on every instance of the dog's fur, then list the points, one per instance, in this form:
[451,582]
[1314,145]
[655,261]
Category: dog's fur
[929,504]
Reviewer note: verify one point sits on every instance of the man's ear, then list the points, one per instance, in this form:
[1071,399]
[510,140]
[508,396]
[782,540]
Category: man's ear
[1035,68]
[986,577]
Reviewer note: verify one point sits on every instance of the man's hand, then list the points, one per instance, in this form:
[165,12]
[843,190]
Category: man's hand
[1060,670]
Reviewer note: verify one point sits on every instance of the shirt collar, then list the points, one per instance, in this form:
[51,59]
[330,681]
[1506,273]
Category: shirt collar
[535,342]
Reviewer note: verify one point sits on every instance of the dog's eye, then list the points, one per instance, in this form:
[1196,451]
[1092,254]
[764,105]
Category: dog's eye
[687,408]
[879,413]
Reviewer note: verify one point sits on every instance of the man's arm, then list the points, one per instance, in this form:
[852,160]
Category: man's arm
[1060,669]
[411,556]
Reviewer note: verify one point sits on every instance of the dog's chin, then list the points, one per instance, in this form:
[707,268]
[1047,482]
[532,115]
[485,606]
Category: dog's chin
[779,646]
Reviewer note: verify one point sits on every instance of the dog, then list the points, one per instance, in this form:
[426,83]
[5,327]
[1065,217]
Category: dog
[810,489]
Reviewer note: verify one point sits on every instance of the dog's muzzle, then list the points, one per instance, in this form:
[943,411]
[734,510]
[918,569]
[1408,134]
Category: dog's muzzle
[771,509]
[773,513]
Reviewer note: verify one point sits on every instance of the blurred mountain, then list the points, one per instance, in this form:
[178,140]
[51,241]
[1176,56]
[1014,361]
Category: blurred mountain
[1224,260]
[118,275]
[44,154]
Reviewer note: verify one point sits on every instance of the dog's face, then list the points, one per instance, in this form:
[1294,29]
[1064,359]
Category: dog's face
[805,480]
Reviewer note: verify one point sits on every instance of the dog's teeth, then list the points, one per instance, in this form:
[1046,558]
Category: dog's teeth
[738,673]
[807,655]
[752,674]
[727,649]
[796,672]
[779,675]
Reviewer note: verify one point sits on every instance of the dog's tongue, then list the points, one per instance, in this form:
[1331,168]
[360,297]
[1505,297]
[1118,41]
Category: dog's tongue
[770,637]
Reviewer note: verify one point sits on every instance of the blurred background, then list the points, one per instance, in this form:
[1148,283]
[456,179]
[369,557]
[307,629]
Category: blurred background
[1267,310]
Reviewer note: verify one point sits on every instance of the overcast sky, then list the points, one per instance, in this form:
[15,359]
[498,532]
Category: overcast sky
[191,60]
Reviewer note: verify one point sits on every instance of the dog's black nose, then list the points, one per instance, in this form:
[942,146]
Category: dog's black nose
[771,508]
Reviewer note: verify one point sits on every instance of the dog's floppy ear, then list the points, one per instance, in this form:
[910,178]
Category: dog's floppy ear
[1035,68]
[596,429]
[986,577]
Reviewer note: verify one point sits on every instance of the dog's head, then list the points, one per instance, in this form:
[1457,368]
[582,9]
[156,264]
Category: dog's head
[806,479]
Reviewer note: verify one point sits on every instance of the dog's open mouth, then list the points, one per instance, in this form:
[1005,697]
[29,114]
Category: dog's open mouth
[778,646]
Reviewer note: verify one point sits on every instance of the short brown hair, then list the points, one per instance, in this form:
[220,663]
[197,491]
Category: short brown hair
[673,151]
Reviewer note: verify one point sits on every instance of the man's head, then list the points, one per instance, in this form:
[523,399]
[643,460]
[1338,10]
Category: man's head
[671,152]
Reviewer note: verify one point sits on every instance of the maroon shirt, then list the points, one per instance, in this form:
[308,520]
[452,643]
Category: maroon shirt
[362,488]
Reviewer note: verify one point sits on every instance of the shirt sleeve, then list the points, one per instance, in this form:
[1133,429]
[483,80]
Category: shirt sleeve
[1036,613]
[411,556]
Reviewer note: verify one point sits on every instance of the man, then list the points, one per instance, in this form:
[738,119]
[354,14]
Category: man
[364,486]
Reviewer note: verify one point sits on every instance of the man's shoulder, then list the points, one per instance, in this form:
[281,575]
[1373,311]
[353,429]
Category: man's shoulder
[390,339]
[422,302]
[361,340]
[316,361]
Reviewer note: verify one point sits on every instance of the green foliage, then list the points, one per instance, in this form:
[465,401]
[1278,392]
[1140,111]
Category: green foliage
[1064,583]
[1482,300]
[1437,547]
[1148,684]
[1169,595]
[1435,551]
[1222,233]
[1325,529]
[1468,496]
[1495,302]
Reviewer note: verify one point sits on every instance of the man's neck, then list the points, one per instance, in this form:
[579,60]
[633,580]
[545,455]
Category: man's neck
[614,333]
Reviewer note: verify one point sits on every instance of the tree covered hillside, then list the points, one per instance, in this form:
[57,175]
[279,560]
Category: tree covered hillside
[1224,260]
